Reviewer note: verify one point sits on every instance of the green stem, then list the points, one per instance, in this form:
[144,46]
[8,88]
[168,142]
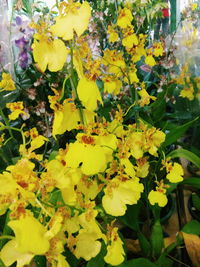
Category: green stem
[6,237]
[6,122]
[73,84]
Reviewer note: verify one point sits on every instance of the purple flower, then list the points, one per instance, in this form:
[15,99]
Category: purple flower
[20,43]
[18,20]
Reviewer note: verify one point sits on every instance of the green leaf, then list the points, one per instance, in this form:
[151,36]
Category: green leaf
[164,261]
[177,132]
[40,261]
[183,153]
[8,97]
[157,239]
[192,227]
[196,201]
[141,262]
[98,261]
[130,219]
[144,244]
[194,182]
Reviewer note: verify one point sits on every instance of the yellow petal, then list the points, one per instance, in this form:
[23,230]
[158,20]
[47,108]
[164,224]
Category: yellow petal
[10,254]
[88,93]
[51,54]
[87,245]
[30,235]
[77,21]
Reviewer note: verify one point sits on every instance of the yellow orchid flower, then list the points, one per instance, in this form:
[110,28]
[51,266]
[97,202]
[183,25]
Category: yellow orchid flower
[176,173]
[87,245]
[74,18]
[30,235]
[88,93]
[7,83]
[157,197]
[125,17]
[16,109]
[115,252]
[120,193]
[10,254]
[48,53]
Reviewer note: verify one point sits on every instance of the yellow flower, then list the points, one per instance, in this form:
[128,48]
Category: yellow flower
[125,17]
[48,53]
[66,118]
[16,109]
[188,92]
[129,168]
[30,235]
[154,138]
[8,191]
[7,83]
[74,18]
[194,6]
[38,142]
[115,252]
[158,49]
[149,60]
[10,254]
[120,193]
[129,38]
[157,197]
[87,245]
[61,261]
[175,173]
[137,139]
[88,93]
[133,75]
[113,35]
[145,97]
[93,157]
[142,168]
[112,84]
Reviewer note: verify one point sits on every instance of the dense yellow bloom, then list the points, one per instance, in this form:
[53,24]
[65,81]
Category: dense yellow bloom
[120,193]
[30,235]
[125,18]
[7,83]
[16,109]
[75,17]
[157,197]
[115,61]
[48,53]
[113,35]
[115,252]
[175,172]
[88,93]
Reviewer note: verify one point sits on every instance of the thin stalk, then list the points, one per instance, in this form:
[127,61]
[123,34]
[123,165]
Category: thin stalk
[6,122]
[74,88]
